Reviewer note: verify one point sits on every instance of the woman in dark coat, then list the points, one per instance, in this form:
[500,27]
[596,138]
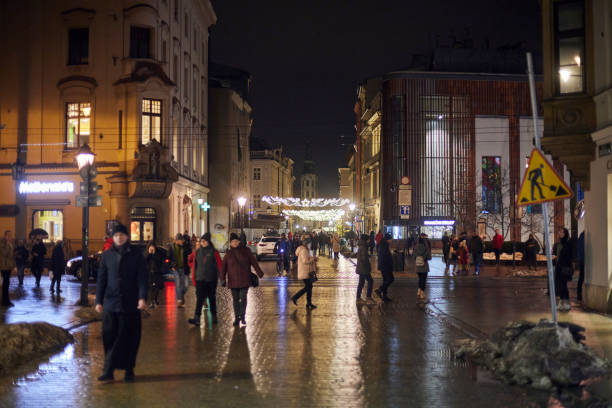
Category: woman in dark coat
[531,252]
[206,266]
[236,274]
[58,265]
[154,268]
[364,268]
[563,270]
[385,266]
[121,293]
[422,256]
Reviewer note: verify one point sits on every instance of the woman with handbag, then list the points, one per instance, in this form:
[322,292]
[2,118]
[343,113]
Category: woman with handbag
[307,267]
[237,276]
[422,256]
[364,269]
[563,270]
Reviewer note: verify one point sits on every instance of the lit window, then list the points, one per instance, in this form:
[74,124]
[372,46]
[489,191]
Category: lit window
[491,184]
[569,44]
[151,120]
[78,120]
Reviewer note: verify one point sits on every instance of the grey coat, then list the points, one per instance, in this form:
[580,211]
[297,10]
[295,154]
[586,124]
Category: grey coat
[422,249]
[205,267]
[363,260]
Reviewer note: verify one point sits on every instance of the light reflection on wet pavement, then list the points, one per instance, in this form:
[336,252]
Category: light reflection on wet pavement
[381,355]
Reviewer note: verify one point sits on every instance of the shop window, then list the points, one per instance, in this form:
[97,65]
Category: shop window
[140,42]
[151,120]
[491,184]
[256,173]
[78,46]
[142,224]
[78,119]
[569,46]
[51,221]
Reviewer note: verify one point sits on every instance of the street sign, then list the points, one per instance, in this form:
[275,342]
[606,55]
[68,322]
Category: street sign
[405,180]
[541,183]
[404,195]
[85,201]
[404,211]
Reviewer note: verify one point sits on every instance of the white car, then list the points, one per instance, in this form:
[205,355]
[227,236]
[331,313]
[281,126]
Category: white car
[266,246]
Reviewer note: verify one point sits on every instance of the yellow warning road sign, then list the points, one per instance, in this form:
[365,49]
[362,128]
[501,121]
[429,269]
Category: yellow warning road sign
[541,183]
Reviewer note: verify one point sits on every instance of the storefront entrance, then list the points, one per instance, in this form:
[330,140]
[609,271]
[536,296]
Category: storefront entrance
[142,224]
[51,221]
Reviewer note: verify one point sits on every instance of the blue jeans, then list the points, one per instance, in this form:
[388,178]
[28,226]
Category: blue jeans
[477,261]
[181,281]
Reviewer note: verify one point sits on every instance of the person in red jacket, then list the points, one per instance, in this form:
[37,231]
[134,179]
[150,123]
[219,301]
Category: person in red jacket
[108,243]
[378,238]
[498,240]
[236,269]
[191,261]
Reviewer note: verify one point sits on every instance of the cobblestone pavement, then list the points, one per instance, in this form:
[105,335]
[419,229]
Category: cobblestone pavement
[378,355]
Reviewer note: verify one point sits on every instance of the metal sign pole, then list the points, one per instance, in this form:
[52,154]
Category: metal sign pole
[549,266]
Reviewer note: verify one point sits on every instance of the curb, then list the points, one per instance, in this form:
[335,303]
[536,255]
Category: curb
[465,328]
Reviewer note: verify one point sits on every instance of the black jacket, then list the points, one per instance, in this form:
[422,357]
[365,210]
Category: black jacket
[363,259]
[205,265]
[385,260]
[21,255]
[122,279]
[38,260]
[154,267]
[58,260]
[476,245]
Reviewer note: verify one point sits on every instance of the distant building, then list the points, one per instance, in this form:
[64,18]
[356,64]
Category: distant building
[229,132]
[345,179]
[453,150]
[309,182]
[127,78]
[271,175]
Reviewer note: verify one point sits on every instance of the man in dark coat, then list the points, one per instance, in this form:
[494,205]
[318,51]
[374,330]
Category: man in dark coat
[58,265]
[121,294]
[38,258]
[385,266]
[477,249]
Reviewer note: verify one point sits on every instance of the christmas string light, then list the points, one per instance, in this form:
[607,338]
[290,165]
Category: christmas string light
[316,215]
[313,202]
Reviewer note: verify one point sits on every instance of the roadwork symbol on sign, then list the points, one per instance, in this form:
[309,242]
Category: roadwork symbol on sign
[541,183]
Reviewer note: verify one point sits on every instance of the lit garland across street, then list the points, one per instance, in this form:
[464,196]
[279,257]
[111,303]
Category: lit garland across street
[313,202]
[315,215]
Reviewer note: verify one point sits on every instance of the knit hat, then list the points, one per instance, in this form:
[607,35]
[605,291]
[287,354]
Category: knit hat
[119,228]
[206,237]
[234,236]
[388,235]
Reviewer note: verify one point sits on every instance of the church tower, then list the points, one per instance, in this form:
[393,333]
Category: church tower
[308,181]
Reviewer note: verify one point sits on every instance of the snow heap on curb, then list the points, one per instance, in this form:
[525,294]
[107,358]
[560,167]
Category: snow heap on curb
[23,342]
[541,355]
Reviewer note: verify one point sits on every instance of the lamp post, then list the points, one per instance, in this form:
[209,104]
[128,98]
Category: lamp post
[241,202]
[85,161]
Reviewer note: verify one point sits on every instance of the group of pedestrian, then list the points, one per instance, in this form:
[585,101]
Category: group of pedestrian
[364,267]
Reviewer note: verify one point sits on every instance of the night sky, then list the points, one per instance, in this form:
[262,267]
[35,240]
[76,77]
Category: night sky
[307,58]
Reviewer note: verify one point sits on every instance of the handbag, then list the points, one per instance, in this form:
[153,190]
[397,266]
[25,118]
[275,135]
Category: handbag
[254,280]
[313,274]
[419,261]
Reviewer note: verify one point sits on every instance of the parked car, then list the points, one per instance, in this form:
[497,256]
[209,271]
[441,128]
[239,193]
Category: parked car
[265,247]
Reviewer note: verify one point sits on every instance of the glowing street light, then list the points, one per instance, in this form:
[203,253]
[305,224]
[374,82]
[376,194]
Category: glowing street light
[241,201]
[84,156]
[352,207]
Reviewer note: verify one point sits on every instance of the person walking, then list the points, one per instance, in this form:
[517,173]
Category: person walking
[322,243]
[379,236]
[336,246]
[154,268]
[121,292]
[372,242]
[191,261]
[38,258]
[563,270]
[532,247]
[364,269]
[283,249]
[58,266]
[314,243]
[307,264]
[385,266]
[7,264]
[236,274]
[497,242]
[463,257]
[21,259]
[445,249]
[206,275]
[178,263]
[477,249]
[422,256]
[580,259]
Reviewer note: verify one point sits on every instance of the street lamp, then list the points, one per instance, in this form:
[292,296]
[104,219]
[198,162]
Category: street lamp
[241,202]
[85,161]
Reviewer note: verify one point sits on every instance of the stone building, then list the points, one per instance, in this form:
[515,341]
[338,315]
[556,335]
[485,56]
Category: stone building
[130,79]
[230,130]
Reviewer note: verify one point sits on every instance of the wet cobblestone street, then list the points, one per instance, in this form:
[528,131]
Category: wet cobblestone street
[339,355]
